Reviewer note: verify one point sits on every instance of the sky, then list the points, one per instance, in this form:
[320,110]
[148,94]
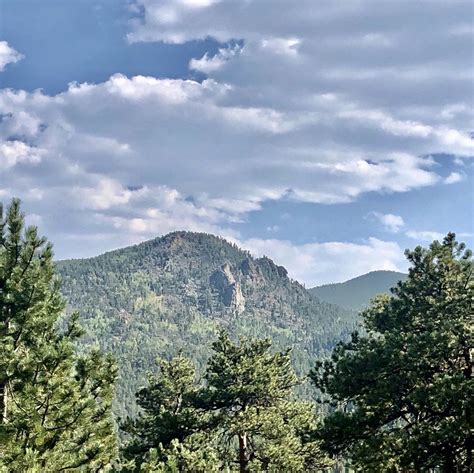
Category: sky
[329,136]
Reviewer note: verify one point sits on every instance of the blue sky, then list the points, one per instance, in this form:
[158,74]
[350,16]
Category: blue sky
[329,136]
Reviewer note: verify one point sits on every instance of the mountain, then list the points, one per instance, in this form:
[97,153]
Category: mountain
[173,294]
[356,293]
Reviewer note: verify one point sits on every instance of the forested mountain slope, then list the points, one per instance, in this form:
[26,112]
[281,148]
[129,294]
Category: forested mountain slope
[356,293]
[173,293]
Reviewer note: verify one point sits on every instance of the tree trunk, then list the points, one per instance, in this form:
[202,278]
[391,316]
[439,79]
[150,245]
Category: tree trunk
[3,402]
[469,441]
[469,447]
[243,456]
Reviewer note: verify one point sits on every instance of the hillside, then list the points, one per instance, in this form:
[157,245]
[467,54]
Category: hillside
[173,293]
[356,293]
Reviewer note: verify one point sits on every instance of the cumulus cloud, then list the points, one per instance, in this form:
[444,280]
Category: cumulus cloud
[453,178]
[357,48]
[16,152]
[392,223]
[104,194]
[144,131]
[8,55]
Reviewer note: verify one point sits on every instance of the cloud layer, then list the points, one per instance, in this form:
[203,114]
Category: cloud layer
[312,102]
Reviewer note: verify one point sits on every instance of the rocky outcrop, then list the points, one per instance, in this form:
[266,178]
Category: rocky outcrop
[247,267]
[228,288]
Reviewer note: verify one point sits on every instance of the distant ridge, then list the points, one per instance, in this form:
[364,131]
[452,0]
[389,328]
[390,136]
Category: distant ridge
[356,293]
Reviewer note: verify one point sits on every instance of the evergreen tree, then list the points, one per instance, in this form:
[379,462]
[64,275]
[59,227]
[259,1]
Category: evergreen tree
[55,407]
[261,427]
[242,419]
[194,455]
[405,389]
[168,411]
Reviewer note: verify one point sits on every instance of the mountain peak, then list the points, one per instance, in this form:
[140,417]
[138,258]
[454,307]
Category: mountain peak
[174,292]
[356,293]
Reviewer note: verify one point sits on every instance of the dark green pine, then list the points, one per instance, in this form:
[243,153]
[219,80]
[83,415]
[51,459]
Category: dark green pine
[241,417]
[55,407]
[404,390]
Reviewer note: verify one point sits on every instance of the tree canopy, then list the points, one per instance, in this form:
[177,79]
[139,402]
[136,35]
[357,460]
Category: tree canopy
[168,411]
[403,390]
[55,407]
[242,418]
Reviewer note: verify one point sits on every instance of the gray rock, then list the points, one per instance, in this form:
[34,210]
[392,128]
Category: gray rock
[230,292]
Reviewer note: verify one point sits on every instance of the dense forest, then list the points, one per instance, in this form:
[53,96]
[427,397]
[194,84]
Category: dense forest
[395,396]
[175,293]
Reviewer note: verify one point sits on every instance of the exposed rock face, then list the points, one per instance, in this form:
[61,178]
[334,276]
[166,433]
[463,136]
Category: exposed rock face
[230,292]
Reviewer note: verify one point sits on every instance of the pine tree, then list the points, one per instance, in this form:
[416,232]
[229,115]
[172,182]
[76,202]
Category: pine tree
[168,411]
[404,390]
[55,407]
[260,425]
[194,455]
[242,417]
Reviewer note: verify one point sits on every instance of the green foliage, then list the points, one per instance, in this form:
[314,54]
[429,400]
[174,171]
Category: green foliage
[173,293]
[168,412]
[194,455]
[250,389]
[243,418]
[55,407]
[405,391]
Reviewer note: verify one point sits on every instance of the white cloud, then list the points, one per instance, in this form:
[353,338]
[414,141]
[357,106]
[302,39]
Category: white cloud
[198,3]
[281,46]
[16,152]
[392,223]
[208,64]
[321,263]
[34,219]
[354,48]
[188,136]
[157,211]
[138,89]
[378,40]
[425,235]
[453,178]
[8,55]
[145,156]
[106,193]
